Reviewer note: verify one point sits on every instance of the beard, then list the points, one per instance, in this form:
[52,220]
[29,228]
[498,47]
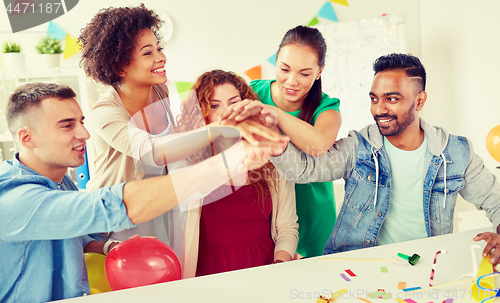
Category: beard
[401,124]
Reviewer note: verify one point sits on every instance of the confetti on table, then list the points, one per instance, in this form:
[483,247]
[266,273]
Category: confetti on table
[411,288]
[409,301]
[350,273]
[450,300]
[339,293]
[322,299]
[345,277]
[400,300]
[402,285]
[364,300]
[383,269]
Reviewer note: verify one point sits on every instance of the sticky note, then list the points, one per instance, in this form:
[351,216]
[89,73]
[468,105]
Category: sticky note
[383,269]
[401,285]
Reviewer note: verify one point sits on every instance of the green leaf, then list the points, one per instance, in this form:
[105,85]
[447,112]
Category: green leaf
[49,45]
[11,47]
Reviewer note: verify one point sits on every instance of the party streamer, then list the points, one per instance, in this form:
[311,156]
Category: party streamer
[431,281]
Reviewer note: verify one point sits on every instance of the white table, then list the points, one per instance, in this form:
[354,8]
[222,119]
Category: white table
[304,280]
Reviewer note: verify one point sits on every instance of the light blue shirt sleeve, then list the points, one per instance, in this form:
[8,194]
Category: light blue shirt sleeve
[32,211]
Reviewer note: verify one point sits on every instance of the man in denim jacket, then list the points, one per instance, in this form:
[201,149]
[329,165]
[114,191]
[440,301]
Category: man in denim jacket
[399,162]
[44,220]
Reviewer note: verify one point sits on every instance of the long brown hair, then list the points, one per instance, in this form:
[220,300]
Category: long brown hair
[194,114]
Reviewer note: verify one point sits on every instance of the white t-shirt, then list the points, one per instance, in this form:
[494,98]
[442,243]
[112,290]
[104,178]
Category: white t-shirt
[405,218]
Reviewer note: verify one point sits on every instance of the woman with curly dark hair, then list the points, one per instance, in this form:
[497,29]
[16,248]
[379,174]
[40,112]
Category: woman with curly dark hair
[251,226]
[132,122]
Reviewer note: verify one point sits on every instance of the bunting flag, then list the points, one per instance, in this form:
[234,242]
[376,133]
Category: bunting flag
[327,12]
[18,7]
[313,22]
[343,2]
[183,87]
[56,31]
[254,73]
[71,46]
[272,59]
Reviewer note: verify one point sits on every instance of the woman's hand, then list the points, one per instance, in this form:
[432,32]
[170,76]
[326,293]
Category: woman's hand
[251,109]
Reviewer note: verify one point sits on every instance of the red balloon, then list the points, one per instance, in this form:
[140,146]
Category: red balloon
[141,261]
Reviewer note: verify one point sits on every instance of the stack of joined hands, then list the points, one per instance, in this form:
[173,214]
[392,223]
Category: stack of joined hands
[257,124]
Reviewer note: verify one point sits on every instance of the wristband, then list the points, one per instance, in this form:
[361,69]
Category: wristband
[107,244]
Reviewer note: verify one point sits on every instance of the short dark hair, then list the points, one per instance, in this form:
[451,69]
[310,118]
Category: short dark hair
[108,40]
[408,62]
[28,96]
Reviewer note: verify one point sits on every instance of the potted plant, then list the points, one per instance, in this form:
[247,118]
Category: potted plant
[50,49]
[13,58]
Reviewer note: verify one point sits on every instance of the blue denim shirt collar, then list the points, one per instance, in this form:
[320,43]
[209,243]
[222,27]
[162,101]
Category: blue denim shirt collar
[66,182]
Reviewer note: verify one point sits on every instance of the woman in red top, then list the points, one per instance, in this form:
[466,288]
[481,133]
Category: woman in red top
[237,227]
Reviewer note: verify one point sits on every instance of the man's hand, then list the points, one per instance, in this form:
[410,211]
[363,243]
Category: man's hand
[492,247]
[254,132]
[258,156]
[250,109]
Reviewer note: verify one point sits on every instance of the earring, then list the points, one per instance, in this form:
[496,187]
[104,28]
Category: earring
[318,78]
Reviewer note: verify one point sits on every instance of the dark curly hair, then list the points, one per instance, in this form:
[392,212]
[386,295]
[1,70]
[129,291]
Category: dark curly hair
[108,40]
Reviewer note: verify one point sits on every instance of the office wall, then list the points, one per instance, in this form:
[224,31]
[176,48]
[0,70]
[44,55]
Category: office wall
[460,43]
[457,41]
[233,35]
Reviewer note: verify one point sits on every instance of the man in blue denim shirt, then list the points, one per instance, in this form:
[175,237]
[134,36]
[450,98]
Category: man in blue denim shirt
[44,220]
[367,162]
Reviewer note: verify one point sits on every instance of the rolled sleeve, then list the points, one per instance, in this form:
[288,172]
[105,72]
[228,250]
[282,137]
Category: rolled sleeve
[31,211]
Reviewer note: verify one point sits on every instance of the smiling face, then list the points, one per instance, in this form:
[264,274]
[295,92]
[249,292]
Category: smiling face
[148,61]
[296,70]
[395,102]
[57,141]
[223,96]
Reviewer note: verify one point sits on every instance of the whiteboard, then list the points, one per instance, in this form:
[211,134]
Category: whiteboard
[352,48]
